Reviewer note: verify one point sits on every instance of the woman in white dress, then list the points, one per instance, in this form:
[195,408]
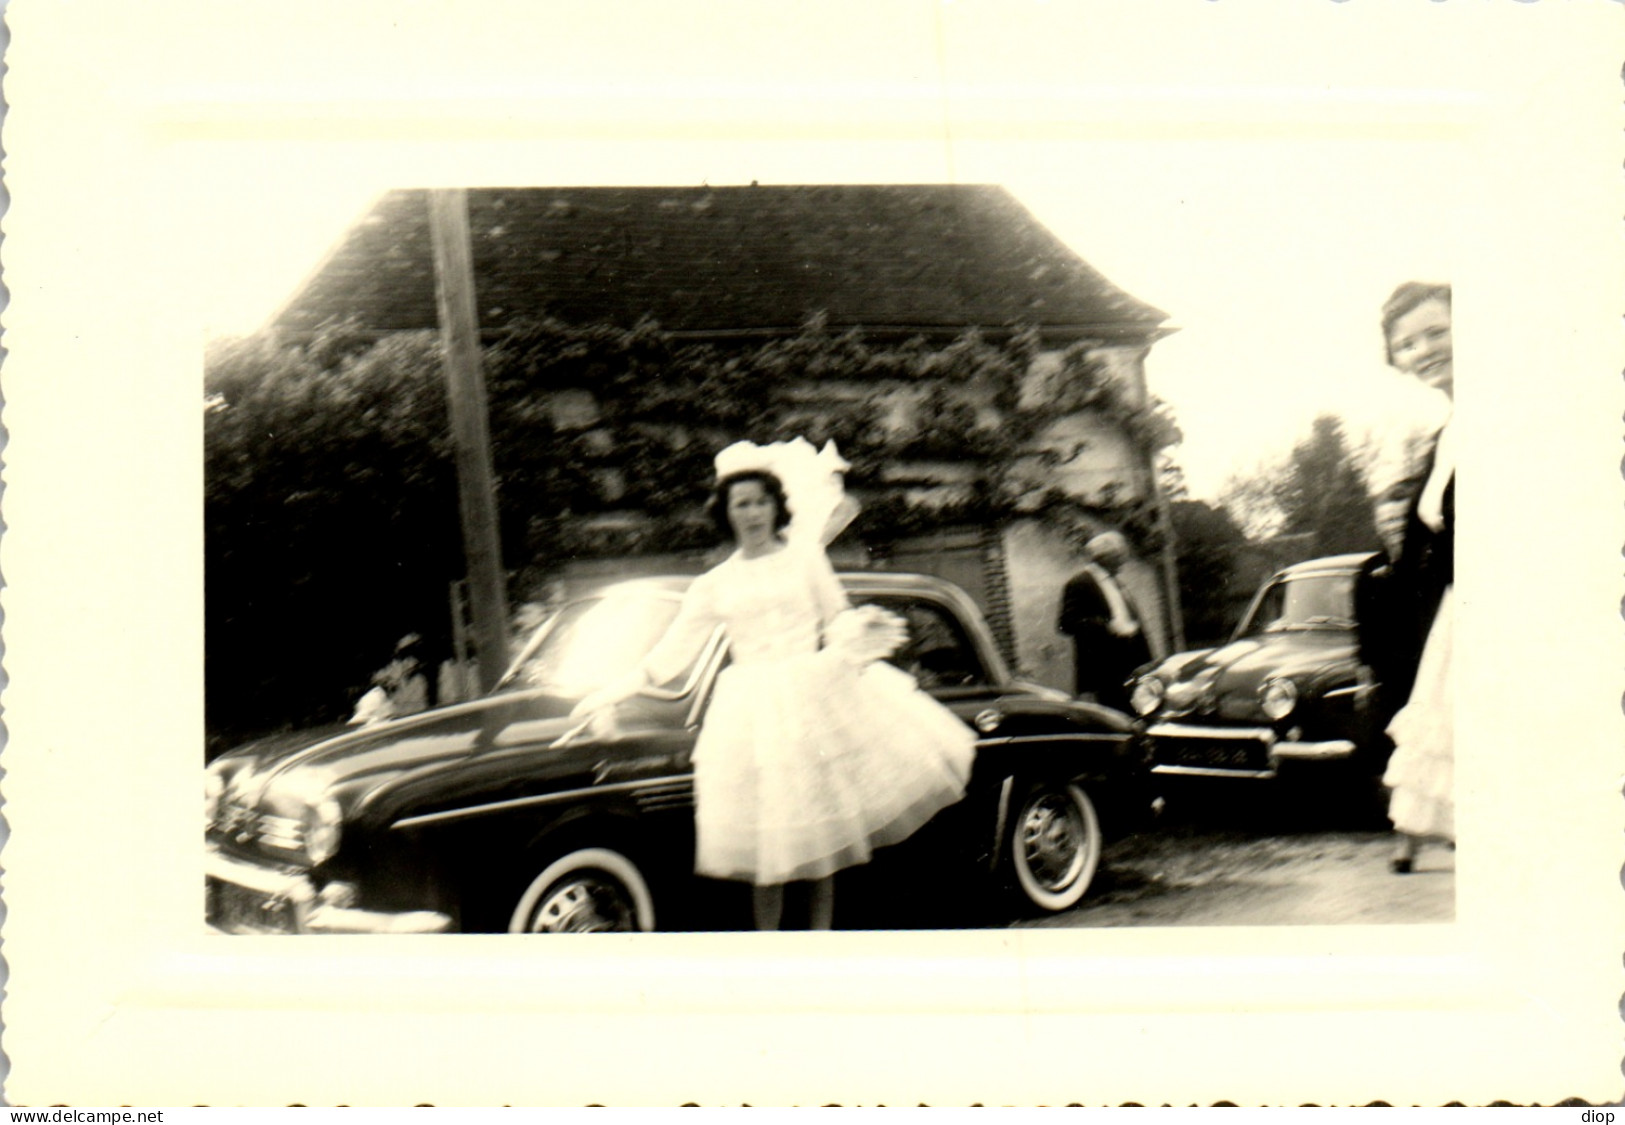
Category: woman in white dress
[1421,772]
[813,752]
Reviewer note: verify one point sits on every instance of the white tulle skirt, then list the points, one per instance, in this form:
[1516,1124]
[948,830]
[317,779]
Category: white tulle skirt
[806,764]
[1422,771]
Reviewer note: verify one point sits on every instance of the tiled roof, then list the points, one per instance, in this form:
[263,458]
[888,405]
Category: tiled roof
[718,261]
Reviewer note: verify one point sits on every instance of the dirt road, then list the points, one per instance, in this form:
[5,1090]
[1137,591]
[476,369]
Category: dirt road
[1223,853]
[1194,875]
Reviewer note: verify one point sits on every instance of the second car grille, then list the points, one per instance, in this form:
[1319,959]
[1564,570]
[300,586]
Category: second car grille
[1216,753]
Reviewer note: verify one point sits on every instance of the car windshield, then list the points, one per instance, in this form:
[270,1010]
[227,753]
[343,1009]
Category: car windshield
[1319,601]
[591,643]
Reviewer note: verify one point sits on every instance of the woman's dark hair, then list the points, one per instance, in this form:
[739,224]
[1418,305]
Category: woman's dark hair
[1404,299]
[718,505]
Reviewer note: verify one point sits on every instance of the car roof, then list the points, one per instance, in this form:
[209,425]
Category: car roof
[1330,564]
[859,584]
[857,581]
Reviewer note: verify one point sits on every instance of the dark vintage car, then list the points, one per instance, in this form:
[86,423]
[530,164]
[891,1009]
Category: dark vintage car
[503,815]
[1294,685]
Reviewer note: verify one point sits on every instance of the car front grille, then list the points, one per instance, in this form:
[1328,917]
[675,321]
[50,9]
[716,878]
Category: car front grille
[243,825]
[245,910]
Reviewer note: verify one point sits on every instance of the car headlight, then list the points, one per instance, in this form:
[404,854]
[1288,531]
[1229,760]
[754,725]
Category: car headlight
[214,789]
[1278,698]
[1147,695]
[324,824]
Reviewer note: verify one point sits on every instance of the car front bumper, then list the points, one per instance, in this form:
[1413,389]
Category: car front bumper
[245,898]
[1251,752]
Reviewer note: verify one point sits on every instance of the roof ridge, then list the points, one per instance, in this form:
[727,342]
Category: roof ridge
[723,258]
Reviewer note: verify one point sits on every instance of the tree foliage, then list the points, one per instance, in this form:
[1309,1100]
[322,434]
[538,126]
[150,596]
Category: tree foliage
[1210,549]
[330,507]
[1319,491]
[332,522]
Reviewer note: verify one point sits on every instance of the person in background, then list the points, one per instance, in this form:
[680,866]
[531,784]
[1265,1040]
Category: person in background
[1107,634]
[1416,322]
[398,689]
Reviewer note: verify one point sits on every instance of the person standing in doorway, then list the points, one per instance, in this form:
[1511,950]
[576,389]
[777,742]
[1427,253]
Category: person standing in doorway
[1107,634]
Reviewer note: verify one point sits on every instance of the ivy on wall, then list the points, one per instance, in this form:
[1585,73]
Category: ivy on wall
[331,520]
[661,408]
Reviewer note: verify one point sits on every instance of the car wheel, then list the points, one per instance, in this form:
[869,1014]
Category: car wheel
[589,891]
[1054,845]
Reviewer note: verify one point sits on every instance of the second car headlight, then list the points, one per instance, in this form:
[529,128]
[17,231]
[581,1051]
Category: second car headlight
[1278,698]
[324,824]
[1147,695]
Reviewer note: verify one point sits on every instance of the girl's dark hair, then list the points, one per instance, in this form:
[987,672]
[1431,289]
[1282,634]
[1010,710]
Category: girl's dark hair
[718,505]
[1404,299]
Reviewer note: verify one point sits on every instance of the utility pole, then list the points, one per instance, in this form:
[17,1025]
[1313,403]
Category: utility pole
[465,394]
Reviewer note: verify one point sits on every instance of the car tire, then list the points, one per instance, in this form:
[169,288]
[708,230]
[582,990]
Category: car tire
[589,890]
[1053,845]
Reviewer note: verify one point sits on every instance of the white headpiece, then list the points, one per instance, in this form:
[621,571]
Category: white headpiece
[746,457]
[811,478]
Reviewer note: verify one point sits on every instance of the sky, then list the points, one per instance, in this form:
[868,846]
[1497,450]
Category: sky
[1272,260]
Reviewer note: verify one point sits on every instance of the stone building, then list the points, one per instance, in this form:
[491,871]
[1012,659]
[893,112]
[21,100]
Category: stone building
[739,266]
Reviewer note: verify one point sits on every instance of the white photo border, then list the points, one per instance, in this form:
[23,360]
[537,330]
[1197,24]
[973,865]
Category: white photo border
[121,128]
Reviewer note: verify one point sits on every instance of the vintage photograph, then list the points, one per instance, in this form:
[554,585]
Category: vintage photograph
[890,553]
[703,557]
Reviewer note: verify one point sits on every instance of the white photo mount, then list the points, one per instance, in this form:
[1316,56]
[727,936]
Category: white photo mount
[139,135]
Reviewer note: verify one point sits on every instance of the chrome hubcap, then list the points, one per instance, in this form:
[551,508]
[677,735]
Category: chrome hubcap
[1052,841]
[584,905]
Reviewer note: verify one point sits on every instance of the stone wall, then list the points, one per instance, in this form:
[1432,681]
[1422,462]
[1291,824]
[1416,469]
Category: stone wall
[1014,572]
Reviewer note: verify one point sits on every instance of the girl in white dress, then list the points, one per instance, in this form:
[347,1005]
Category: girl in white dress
[813,752]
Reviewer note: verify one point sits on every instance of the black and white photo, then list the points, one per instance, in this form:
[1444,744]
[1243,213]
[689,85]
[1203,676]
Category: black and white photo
[874,555]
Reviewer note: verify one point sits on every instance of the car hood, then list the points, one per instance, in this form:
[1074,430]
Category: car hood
[1233,673]
[287,773]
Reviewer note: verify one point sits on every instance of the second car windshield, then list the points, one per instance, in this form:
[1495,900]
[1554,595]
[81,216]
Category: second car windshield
[592,643]
[1317,602]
